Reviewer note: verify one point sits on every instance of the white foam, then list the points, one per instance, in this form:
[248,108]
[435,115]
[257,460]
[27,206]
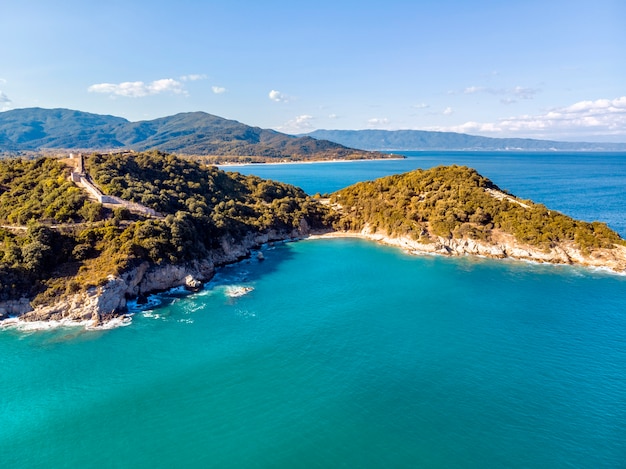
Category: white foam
[606,270]
[34,326]
[193,307]
[27,326]
[152,301]
[149,313]
[237,290]
[121,321]
[245,313]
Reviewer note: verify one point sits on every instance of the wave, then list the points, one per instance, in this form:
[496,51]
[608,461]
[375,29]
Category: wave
[114,323]
[35,326]
[234,291]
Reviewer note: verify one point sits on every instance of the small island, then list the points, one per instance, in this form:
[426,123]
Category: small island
[79,237]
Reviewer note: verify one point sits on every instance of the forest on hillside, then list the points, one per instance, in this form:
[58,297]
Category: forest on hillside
[457,202]
[57,241]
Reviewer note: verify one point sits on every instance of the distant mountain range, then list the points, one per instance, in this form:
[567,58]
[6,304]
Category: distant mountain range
[194,133]
[399,140]
[199,133]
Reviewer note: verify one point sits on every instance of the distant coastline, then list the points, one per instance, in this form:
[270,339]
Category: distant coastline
[423,140]
[274,163]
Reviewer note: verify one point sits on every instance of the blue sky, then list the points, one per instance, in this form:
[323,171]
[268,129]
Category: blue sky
[541,69]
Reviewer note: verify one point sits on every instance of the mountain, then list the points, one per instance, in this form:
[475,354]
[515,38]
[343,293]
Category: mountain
[426,140]
[36,128]
[193,133]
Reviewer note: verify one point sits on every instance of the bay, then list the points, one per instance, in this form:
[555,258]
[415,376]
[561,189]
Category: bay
[345,354]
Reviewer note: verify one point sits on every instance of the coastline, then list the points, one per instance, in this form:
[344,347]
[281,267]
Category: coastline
[608,260]
[106,307]
[277,163]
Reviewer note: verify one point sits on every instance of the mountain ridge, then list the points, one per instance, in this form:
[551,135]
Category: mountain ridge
[407,140]
[191,133]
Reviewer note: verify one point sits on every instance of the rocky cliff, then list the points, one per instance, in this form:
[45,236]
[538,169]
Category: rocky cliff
[101,304]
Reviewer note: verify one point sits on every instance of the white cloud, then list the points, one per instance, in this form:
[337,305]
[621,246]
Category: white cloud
[581,120]
[447,111]
[524,93]
[520,92]
[139,89]
[5,102]
[304,120]
[376,122]
[2,81]
[218,89]
[474,89]
[333,116]
[420,106]
[279,97]
[193,77]
[299,124]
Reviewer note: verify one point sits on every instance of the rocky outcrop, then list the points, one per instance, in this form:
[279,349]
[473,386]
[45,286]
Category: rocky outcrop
[100,304]
[14,308]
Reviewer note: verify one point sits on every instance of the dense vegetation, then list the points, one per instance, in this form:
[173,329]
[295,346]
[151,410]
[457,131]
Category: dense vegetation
[39,190]
[54,240]
[200,206]
[454,201]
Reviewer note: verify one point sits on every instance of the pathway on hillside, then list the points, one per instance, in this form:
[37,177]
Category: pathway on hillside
[82,178]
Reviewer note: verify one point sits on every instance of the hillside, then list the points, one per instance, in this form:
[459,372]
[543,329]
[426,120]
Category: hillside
[454,210]
[55,242]
[194,133]
[407,140]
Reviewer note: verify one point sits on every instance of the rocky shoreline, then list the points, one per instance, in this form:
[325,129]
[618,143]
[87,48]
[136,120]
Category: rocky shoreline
[504,246]
[99,305]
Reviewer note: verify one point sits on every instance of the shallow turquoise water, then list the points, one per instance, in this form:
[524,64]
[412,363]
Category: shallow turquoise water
[345,354]
[348,354]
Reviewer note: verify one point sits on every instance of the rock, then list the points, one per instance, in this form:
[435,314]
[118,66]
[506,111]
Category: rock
[14,308]
[192,284]
[95,319]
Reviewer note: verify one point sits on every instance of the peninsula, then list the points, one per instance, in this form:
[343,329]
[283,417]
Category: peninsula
[153,221]
[453,210]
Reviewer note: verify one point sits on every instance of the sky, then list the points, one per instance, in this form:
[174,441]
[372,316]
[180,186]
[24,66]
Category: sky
[549,69]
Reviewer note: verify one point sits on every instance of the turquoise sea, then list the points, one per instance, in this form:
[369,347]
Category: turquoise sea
[348,354]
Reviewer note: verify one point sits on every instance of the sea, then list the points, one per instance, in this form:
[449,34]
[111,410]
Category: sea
[341,353]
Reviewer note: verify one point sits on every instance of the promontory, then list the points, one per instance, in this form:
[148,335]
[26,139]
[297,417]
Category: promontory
[80,236]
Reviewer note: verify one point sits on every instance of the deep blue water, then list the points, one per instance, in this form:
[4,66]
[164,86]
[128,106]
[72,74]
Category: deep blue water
[346,354]
[588,186]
